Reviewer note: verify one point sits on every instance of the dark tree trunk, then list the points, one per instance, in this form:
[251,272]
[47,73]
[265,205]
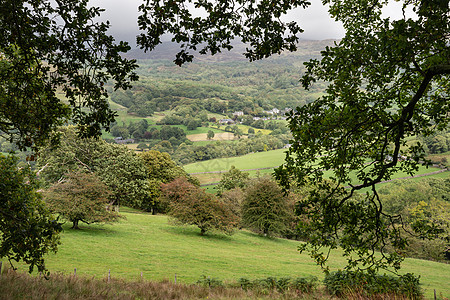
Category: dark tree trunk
[75,224]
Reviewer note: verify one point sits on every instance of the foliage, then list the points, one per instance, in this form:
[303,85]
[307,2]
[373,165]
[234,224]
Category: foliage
[340,283]
[231,179]
[299,284]
[210,282]
[210,135]
[265,209]
[221,25]
[191,205]
[233,199]
[116,166]
[424,207]
[27,229]
[160,169]
[81,197]
[52,47]
[388,82]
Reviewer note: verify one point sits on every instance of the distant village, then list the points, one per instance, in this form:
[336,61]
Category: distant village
[272,114]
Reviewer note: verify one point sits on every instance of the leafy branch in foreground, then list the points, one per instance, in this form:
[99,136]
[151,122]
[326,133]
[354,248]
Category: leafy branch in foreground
[55,47]
[257,23]
[28,230]
[388,80]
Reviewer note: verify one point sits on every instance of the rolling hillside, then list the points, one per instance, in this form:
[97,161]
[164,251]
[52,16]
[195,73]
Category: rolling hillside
[149,244]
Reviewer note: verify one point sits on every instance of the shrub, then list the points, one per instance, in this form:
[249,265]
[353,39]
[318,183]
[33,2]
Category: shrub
[341,283]
[210,282]
[299,284]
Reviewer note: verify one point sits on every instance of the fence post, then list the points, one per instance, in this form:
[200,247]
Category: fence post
[175,278]
[109,275]
[75,272]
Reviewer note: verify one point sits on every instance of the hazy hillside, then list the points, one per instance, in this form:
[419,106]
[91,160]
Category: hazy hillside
[225,82]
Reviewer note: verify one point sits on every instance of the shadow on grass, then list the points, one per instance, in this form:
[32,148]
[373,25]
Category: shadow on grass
[254,235]
[89,230]
[192,231]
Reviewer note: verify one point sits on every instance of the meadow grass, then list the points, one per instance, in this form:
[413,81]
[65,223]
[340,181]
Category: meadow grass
[151,245]
[268,159]
[250,161]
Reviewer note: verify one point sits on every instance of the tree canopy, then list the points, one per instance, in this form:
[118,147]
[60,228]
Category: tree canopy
[81,197]
[388,81]
[119,168]
[27,229]
[50,49]
[257,23]
[265,209]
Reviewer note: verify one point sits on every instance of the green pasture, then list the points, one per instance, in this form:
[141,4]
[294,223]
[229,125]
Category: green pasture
[267,159]
[149,244]
[250,161]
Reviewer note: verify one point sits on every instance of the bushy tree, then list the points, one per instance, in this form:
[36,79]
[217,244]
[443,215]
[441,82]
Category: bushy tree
[210,135]
[28,230]
[116,166]
[81,197]
[191,205]
[233,199]
[160,169]
[265,209]
[231,179]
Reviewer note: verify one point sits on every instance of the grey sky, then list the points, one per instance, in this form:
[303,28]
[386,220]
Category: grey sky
[315,20]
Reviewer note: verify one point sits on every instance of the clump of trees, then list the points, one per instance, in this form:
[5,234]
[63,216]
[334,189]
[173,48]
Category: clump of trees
[81,197]
[233,178]
[191,205]
[424,207]
[160,169]
[133,179]
[116,166]
[265,208]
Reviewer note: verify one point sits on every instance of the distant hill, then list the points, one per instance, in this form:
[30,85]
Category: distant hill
[167,50]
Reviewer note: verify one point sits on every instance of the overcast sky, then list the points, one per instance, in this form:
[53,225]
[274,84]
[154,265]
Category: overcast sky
[314,20]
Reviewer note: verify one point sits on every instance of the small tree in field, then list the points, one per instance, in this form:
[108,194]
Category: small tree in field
[81,197]
[265,209]
[191,205]
[210,135]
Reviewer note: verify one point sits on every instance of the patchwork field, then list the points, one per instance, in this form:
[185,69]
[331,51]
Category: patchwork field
[219,136]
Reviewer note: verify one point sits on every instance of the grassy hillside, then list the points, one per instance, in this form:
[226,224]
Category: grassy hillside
[249,161]
[269,159]
[148,244]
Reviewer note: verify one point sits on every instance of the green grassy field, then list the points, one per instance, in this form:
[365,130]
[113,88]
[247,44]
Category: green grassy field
[267,159]
[249,161]
[149,244]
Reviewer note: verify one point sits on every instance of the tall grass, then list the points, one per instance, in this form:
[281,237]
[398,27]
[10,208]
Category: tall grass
[15,285]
